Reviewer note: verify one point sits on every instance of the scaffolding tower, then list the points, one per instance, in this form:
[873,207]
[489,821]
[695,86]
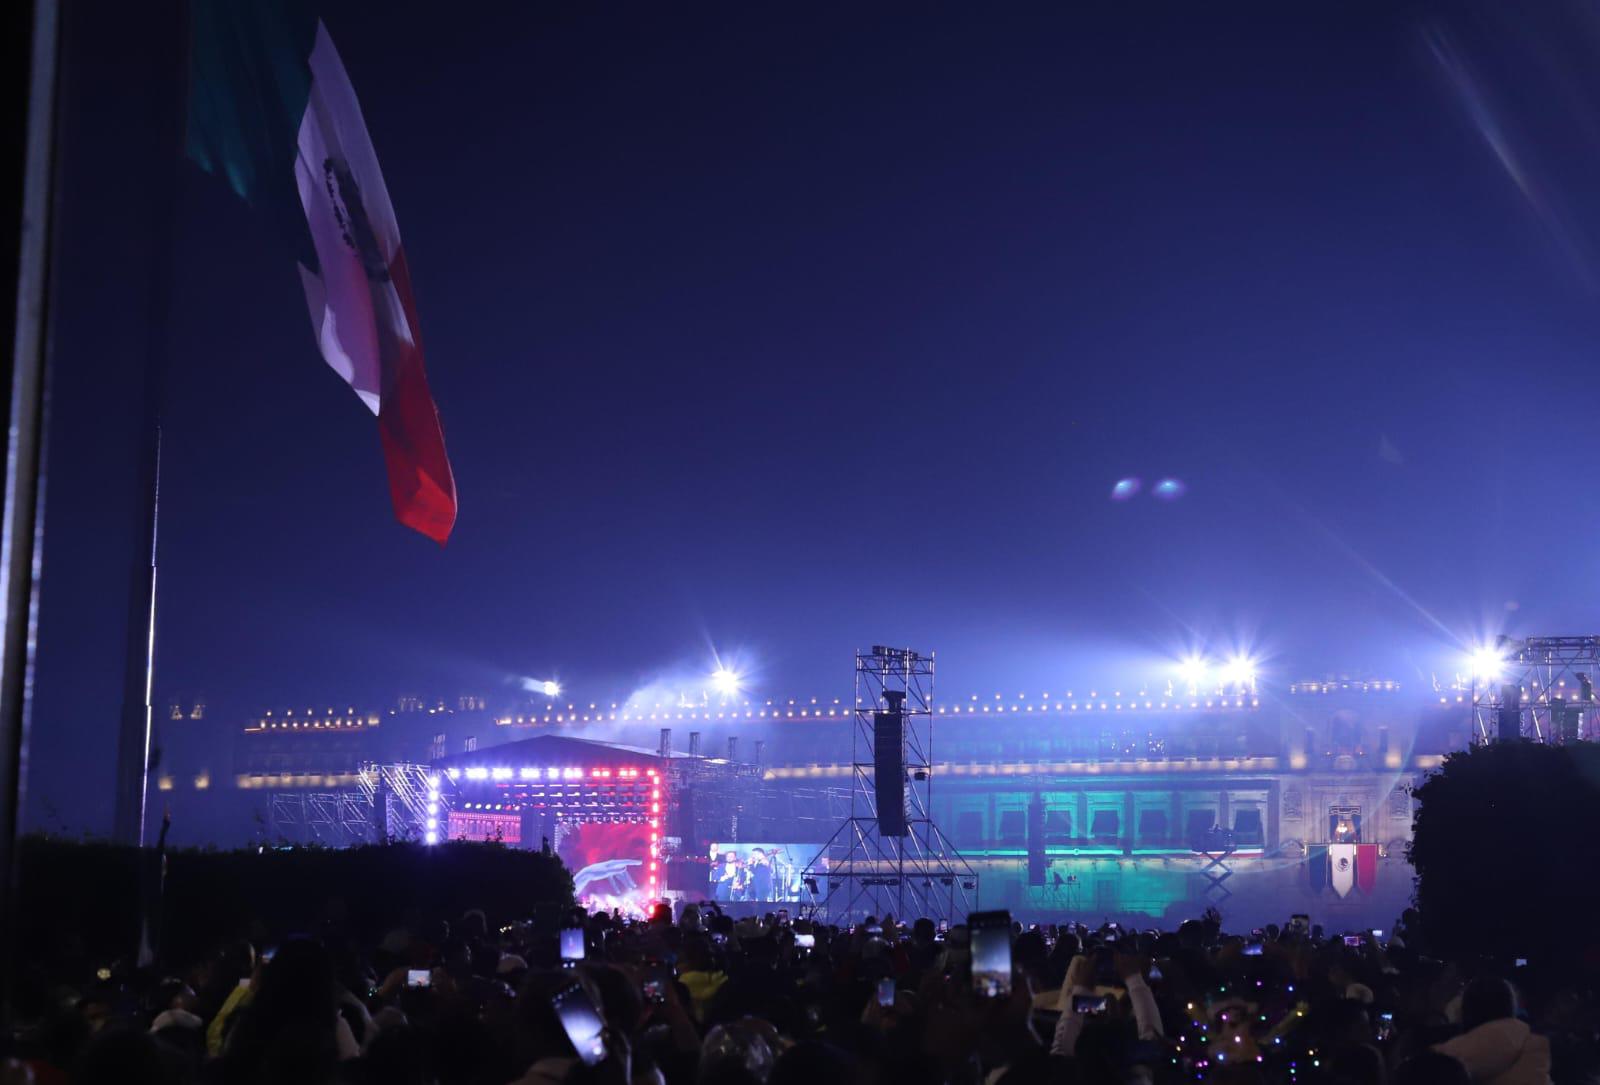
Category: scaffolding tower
[865,871]
[1546,683]
[333,819]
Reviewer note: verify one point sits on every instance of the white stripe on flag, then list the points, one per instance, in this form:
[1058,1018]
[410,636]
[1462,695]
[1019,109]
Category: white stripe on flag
[335,166]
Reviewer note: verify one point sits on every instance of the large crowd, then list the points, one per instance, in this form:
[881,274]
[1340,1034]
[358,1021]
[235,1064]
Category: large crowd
[704,998]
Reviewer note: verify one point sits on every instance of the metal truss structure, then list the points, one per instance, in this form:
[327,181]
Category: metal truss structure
[397,800]
[334,819]
[866,872]
[1216,850]
[1548,682]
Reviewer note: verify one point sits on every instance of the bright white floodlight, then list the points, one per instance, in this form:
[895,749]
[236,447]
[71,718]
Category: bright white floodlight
[550,687]
[1487,664]
[1192,671]
[1239,671]
[726,682]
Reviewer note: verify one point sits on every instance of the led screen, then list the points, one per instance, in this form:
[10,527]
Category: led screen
[761,872]
[611,865]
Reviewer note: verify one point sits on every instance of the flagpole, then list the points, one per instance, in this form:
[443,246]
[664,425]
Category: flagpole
[133,739]
[22,514]
[135,733]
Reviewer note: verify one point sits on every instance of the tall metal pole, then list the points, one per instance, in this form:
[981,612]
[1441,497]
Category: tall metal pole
[133,739]
[165,56]
[22,514]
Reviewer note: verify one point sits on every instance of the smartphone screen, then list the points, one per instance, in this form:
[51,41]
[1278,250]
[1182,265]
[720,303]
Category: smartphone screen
[886,992]
[571,945]
[1155,971]
[1353,941]
[582,1023]
[805,941]
[991,953]
[1385,1027]
[1089,1004]
[419,977]
[1252,949]
[655,985]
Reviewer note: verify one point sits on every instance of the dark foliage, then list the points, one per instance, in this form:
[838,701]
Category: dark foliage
[80,901]
[1507,853]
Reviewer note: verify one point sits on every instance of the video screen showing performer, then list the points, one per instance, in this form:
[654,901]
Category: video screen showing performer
[760,872]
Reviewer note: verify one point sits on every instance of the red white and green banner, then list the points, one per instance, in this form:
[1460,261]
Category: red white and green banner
[272,111]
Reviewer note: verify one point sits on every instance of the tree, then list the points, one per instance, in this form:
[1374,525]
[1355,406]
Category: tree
[1506,850]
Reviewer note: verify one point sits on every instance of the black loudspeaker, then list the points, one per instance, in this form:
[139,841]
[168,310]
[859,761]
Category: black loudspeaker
[379,816]
[889,765]
[1566,719]
[1508,723]
[1036,841]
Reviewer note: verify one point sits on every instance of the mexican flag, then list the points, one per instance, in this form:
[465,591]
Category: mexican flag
[272,112]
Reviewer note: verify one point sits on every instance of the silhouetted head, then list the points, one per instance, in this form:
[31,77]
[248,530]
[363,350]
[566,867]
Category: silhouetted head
[1486,999]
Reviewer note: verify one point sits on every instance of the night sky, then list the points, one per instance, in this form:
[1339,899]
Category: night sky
[783,332]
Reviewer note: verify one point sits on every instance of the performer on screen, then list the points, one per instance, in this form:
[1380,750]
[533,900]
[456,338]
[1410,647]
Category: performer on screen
[760,876]
[724,877]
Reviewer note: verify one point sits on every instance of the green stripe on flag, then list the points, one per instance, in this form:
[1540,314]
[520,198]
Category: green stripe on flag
[249,81]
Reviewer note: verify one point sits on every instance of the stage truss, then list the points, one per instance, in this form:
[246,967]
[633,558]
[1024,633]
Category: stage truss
[1543,679]
[865,873]
[398,795]
[334,819]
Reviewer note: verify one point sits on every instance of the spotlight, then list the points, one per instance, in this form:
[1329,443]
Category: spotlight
[726,682]
[1239,671]
[1486,664]
[1192,670]
[550,687]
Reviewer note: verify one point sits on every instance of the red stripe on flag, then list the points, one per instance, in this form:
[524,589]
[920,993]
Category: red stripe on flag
[1366,867]
[421,484]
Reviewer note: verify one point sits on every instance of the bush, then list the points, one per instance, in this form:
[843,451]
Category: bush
[1506,845]
[81,901]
